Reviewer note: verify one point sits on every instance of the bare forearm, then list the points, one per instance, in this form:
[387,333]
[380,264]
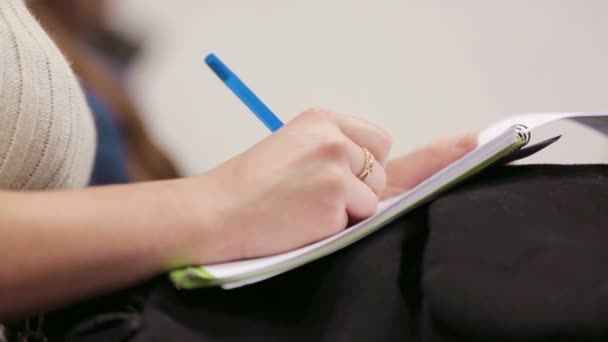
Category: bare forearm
[58,247]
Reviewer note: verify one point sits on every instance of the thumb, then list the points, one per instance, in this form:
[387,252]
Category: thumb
[407,171]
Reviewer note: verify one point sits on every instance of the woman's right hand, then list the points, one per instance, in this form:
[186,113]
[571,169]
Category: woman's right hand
[295,187]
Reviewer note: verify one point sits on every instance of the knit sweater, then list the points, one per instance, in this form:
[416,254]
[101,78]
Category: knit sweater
[47,135]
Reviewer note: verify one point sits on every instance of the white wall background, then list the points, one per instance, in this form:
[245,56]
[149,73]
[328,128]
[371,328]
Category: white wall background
[423,69]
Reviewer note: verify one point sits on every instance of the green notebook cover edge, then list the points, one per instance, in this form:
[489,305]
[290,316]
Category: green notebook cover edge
[190,277]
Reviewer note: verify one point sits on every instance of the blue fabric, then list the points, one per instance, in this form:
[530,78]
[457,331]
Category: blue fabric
[110,158]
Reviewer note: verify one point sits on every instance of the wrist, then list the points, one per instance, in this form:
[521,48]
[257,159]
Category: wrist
[202,209]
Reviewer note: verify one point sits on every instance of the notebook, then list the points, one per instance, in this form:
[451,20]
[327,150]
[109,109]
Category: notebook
[504,141]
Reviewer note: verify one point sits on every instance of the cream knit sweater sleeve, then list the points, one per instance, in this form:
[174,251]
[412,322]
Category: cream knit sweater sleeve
[47,136]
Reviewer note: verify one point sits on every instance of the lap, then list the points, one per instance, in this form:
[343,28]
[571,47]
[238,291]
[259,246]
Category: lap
[353,295]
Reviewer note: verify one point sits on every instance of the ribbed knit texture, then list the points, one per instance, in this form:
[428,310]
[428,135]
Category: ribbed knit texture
[47,135]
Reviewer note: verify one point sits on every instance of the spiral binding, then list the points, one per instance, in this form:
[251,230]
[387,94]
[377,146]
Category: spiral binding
[523,133]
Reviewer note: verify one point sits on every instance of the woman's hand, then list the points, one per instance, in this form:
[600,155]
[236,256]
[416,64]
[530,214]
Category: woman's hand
[295,187]
[407,171]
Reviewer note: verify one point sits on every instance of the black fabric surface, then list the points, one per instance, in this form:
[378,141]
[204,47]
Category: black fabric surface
[353,295]
[520,254]
[515,254]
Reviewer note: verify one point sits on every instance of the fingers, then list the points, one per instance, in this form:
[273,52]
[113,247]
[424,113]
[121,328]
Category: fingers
[361,201]
[376,180]
[358,134]
[367,135]
[407,171]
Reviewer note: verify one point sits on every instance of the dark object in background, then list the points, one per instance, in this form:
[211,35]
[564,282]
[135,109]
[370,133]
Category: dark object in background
[116,47]
[78,28]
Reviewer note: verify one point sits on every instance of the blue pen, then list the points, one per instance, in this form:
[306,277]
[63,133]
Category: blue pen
[243,93]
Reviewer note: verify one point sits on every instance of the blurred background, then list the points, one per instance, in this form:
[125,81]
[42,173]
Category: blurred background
[422,69]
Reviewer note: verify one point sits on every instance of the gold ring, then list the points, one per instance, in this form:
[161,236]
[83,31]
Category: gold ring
[368,166]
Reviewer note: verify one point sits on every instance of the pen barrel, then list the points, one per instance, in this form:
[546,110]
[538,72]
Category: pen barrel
[243,92]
